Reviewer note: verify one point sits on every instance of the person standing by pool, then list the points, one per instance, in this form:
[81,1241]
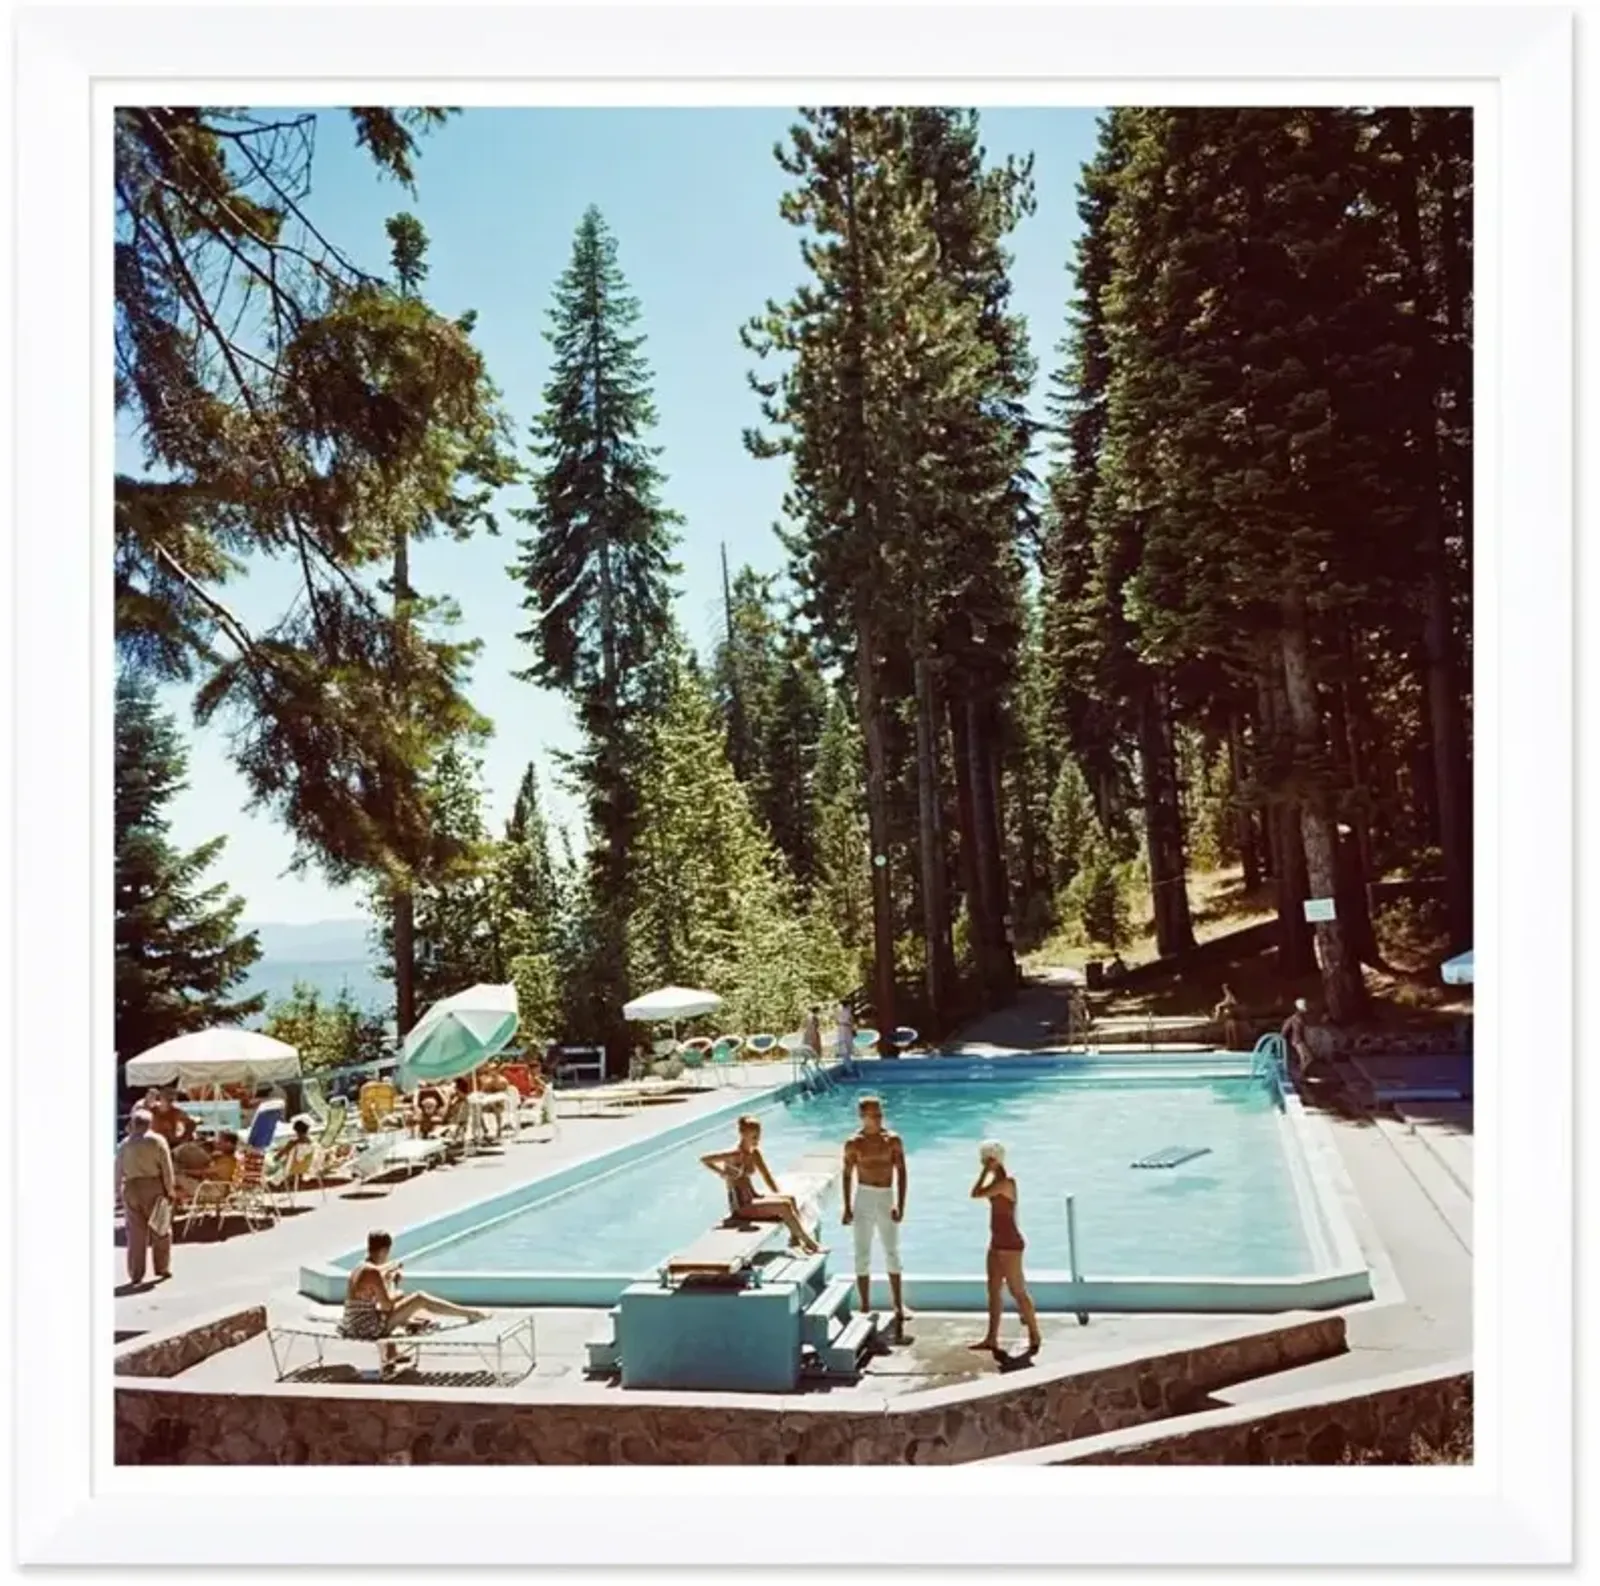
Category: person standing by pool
[1297,1038]
[1006,1245]
[738,1169]
[145,1182]
[811,1031]
[1229,1013]
[846,1035]
[876,1204]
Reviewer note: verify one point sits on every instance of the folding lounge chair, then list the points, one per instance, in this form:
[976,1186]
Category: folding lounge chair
[494,1344]
[249,1195]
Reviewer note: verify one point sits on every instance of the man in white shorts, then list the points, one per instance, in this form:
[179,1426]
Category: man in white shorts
[875,1199]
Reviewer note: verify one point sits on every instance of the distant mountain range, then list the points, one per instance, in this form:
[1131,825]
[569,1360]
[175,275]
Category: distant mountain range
[314,942]
[328,955]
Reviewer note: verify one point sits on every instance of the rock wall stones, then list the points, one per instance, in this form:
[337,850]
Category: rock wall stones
[300,1424]
[167,1354]
[1376,1423]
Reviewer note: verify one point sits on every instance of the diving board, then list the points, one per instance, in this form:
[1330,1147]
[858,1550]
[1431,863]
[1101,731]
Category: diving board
[1172,1156]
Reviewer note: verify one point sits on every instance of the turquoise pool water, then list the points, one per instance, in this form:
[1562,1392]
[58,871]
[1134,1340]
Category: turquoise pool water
[1230,1213]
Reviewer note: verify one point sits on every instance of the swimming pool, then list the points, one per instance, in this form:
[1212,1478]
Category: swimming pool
[1247,1225]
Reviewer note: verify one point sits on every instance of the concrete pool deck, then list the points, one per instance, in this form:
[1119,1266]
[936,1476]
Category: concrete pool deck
[208,1272]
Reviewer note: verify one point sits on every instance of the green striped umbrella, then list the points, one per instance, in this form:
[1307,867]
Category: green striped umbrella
[458,1035]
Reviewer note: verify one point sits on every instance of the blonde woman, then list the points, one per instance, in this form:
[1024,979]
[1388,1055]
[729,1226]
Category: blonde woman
[1006,1245]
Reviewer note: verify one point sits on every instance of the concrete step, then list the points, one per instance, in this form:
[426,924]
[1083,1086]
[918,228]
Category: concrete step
[1447,1132]
[842,1356]
[604,1356]
[1433,1178]
[816,1325]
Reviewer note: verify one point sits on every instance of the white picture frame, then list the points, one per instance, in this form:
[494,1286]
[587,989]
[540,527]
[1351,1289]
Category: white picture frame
[73,1506]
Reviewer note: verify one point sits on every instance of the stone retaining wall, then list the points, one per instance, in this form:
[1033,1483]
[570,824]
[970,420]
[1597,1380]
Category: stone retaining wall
[167,1354]
[303,1424]
[1377,1419]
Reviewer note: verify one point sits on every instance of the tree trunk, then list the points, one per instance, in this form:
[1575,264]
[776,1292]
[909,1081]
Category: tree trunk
[1444,699]
[877,824]
[1244,821]
[1004,946]
[966,830]
[1282,819]
[1000,964]
[936,946]
[1163,824]
[1342,986]
[986,907]
[404,933]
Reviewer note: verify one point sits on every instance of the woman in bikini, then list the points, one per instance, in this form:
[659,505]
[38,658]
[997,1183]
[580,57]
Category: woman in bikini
[1006,1245]
[374,1307]
[738,1170]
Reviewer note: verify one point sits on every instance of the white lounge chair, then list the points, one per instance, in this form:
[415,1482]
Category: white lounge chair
[494,1342]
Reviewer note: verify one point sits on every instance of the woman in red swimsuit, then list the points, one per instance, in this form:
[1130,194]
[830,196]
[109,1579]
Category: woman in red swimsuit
[1006,1245]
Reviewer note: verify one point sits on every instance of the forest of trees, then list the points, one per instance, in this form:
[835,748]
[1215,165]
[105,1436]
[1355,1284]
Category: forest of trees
[1026,669]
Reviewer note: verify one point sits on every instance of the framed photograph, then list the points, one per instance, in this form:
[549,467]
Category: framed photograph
[760,753]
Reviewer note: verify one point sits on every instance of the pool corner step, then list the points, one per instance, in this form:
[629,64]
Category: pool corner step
[843,1354]
[817,1324]
[605,1354]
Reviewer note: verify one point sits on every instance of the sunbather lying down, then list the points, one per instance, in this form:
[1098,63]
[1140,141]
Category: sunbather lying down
[374,1307]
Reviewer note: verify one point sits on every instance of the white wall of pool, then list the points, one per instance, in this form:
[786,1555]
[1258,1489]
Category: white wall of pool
[1253,1224]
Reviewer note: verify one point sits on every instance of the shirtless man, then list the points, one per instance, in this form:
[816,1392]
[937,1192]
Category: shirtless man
[875,1198]
[167,1118]
[1296,1037]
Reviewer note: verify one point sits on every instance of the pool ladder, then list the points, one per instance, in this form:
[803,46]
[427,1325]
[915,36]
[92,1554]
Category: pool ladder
[809,1072]
[1270,1059]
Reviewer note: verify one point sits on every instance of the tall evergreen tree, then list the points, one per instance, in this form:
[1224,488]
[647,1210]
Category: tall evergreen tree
[893,414]
[842,889]
[527,910]
[179,950]
[773,699]
[290,404]
[597,567]
[1255,421]
[714,905]
[449,913]
[1105,696]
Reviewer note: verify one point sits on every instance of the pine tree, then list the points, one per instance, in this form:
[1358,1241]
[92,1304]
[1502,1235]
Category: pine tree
[897,414]
[1105,694]
[842,890]
[1255,424]
[597,567]
[289,405]
[773,700]
[454,943]
[714,906]
[526,910]
[179,951]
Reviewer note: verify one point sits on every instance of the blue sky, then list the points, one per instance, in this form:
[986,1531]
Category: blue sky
[692,196]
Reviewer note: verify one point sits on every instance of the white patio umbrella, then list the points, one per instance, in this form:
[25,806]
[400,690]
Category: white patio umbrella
[223,1056]
[1457,971]
[669,1005]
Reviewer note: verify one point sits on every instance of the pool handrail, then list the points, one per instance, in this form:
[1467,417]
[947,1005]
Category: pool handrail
[1270,1058]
